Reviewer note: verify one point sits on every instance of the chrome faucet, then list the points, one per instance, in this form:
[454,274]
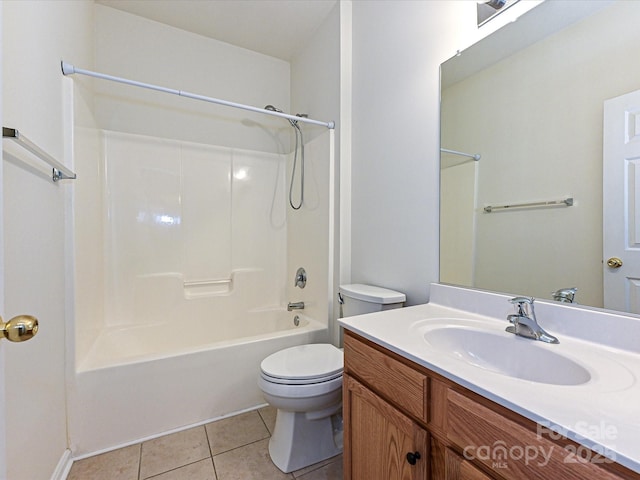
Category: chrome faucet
[566,295]
[295,306]
[525,323]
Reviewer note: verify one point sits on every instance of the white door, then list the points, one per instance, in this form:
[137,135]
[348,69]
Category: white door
[3,435]
[33,436]
[34,239]
[32,272]
[621,203]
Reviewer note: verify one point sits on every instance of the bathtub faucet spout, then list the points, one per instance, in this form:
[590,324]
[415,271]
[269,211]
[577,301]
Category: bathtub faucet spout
[295,306]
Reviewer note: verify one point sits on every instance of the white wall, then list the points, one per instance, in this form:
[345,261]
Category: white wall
[315,76]
[36,100]
[397,50]
[139,49]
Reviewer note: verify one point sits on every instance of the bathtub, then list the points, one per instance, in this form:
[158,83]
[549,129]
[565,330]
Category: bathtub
[138,382]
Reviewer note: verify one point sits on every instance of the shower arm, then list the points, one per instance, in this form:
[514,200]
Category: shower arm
[68,69]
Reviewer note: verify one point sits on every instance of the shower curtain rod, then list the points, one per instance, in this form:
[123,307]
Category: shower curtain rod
[68,69]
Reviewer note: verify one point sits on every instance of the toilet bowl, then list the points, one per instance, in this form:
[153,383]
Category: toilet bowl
[304,383]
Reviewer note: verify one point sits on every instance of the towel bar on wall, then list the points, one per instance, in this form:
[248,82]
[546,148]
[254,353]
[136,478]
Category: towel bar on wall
[550,203]
[59,172]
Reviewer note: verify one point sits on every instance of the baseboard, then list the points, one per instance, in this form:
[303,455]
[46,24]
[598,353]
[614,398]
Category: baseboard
[63,467]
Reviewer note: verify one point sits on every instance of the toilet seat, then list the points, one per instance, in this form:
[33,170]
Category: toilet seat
[303,365]
[293,391]
[291,381]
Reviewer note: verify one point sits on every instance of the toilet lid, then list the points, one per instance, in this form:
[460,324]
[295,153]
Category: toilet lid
[304,363]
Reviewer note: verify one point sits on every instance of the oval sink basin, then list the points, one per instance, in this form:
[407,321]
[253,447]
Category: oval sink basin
[508,355]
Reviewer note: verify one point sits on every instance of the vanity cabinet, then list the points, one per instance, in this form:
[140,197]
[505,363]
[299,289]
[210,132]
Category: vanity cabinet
[384,444]
[403,421]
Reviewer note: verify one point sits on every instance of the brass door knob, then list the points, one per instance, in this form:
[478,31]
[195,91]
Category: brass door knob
[19,329]
[614,262]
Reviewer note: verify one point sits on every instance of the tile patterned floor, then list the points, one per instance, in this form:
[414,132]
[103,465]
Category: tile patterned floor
[234,448]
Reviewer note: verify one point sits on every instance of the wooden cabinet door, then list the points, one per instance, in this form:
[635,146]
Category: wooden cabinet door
[460,469]
[378,438]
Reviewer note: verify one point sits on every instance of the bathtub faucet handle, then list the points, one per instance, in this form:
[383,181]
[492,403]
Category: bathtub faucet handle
[301,278]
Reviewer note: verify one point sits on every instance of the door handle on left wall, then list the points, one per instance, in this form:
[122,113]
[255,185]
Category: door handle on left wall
[19,329]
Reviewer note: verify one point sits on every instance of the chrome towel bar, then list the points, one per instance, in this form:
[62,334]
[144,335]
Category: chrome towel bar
[59,172]
[550,203]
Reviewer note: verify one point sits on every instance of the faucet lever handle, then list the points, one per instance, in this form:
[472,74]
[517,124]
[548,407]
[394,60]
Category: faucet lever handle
[521,300]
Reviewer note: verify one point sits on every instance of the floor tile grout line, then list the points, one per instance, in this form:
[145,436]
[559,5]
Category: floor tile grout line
[139,461]
[240,446]
[264,421]
[206,434]
[313,469]
[177,468]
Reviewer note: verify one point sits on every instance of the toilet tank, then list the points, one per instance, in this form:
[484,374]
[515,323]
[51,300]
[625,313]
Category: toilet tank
[358,299]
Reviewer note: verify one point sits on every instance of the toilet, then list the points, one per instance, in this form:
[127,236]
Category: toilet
[304,384]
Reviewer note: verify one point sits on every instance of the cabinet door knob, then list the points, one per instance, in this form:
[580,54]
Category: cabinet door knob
[412,457]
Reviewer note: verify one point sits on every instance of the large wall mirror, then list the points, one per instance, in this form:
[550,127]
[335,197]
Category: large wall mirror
[527,218]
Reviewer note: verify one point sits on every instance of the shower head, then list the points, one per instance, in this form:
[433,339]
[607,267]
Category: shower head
[294,123]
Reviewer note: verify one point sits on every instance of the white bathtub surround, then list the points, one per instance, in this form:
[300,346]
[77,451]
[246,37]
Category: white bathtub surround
[196,242]
[604,343]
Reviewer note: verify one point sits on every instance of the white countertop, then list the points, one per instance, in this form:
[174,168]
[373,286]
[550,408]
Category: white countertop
[603,414]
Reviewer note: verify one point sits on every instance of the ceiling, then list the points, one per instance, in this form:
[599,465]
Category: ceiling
[279,28]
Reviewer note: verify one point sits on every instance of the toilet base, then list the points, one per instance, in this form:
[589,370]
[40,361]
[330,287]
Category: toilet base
[298,442]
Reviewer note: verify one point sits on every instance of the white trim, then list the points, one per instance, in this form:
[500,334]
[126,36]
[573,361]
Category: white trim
[346,82]
[344,174]
[331,278]
[3,414]
[64,466]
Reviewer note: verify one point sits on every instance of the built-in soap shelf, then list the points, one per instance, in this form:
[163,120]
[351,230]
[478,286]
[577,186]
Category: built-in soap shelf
[207,288]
